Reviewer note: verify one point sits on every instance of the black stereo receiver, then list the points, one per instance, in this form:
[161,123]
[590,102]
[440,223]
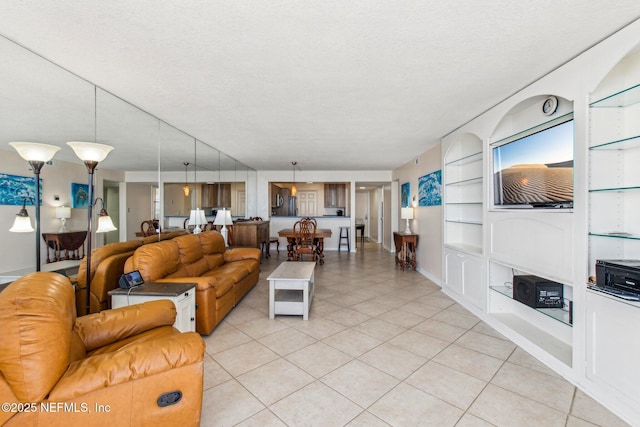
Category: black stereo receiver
[537,292]
[621,275]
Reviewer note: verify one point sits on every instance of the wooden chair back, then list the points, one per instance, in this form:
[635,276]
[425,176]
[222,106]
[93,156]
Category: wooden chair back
[150,227]
[305,242]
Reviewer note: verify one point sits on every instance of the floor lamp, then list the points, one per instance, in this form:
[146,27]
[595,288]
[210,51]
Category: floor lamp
[91,154]
[37,155]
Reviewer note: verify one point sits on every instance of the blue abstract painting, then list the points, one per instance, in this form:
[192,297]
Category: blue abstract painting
[430,189]
[15,189]
[405,193]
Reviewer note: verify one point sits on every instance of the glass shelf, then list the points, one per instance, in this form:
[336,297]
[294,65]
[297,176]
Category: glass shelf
[466,159]
[477,180]
[463,221]
[616,235]
[624,98]
[620,144]
[558,314]
[614,189]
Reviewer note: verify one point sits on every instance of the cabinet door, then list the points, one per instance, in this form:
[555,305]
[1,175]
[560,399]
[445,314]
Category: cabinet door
[186,312]
[472,281]
[612,346]
[329,196]
[453,271]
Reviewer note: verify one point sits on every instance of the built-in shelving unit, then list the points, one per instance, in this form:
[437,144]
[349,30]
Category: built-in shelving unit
[549,329]
[463,195]
[614,179]
[614,229]
[463,204]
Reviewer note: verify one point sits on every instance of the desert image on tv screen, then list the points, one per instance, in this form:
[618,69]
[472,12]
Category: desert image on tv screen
[537,169]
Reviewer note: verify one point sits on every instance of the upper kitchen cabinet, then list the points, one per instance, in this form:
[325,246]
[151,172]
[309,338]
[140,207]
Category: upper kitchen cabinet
[335,195]
[216,195]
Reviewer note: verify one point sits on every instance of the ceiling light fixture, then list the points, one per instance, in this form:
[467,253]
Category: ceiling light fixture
[186,180]
[294,189]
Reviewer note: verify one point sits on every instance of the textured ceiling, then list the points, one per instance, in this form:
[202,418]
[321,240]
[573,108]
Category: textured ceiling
[333,85]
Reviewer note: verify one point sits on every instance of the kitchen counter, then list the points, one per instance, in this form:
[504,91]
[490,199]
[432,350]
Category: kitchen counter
[332,222]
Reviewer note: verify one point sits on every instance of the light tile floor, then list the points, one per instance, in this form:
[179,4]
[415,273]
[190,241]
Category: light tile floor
[382,347]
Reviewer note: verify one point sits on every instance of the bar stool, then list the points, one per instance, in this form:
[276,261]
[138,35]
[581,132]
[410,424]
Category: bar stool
[344,236]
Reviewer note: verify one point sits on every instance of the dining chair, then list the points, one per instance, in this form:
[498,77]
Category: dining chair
[305,240]
[149,227]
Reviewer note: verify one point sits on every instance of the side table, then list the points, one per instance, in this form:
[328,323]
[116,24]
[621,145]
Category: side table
[183,296]
[406,245]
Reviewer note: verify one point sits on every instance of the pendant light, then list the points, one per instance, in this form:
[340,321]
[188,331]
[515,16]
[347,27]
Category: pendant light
[186,185]
[294,189]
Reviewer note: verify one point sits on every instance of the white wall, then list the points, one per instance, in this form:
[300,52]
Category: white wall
[427,222]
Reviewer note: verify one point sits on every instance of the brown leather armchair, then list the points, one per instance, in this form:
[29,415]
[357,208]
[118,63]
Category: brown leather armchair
[121,367]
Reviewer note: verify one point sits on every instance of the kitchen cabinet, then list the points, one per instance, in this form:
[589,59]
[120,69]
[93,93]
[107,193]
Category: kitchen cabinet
[334,195]
[216,195]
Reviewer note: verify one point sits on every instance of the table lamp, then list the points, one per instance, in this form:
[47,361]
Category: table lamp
[63,213]
[197,218]
[223,218]
[407,213]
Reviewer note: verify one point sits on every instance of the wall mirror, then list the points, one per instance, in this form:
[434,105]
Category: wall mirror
[42,102]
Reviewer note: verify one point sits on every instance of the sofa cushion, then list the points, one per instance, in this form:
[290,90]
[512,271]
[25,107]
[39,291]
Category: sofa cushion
[36,344]
[191,255]
[213,248]
[236,271]
[157,260]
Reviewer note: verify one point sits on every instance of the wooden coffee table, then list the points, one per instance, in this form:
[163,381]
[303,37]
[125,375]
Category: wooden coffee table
[291,287]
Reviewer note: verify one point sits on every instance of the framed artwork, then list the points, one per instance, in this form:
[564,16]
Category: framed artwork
[79,196]
[430,189]
[14,189]
[405,193]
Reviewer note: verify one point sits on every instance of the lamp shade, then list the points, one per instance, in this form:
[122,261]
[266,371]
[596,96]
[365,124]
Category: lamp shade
[197,217]
[22,224]
[223,218]
[406,213]
[90,151]
[63,212]
[105,224]
[35,151]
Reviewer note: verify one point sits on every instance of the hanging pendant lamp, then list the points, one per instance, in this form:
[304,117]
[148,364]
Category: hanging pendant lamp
[186,185]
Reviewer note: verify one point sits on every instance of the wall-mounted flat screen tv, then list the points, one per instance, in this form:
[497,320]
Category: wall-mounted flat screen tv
[535,171]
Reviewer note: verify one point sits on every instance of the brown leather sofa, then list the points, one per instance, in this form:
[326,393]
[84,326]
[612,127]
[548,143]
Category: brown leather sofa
[114,368]
[107,265]
[222,276]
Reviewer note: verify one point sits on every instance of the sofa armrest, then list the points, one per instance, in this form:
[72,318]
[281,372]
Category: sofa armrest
[135,361]
[237,254]
[99,329]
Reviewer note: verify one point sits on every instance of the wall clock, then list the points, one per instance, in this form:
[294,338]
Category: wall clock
[550,105]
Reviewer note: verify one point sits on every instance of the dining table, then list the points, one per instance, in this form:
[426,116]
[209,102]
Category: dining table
[321,234]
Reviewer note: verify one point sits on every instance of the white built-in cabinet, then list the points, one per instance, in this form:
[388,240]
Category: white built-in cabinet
[484,246]
[612,345]
[463,204]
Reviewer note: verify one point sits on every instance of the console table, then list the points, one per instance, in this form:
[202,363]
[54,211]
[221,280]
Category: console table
[69,241]
[406,245]
[253,234]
